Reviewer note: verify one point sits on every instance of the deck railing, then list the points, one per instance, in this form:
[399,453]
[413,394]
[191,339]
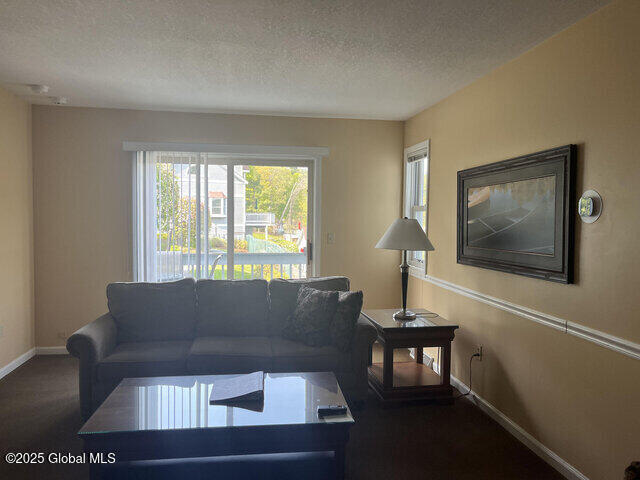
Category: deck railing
[260,219]
[175,265]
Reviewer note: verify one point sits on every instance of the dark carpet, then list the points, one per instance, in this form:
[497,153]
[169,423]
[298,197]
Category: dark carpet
[39,412]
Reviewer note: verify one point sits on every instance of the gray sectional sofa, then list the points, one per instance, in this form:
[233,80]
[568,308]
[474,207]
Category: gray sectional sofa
[193,327]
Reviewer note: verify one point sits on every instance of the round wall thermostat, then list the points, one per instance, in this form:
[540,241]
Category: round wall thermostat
[590,206]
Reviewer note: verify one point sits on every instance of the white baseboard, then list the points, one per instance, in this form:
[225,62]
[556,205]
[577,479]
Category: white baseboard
[51,351]
[11,366]
[546,454]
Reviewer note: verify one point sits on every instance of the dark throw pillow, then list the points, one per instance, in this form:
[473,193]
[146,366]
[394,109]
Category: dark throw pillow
[343,325]
[311,320]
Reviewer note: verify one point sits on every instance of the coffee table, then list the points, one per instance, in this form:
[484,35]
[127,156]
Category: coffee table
[170,417]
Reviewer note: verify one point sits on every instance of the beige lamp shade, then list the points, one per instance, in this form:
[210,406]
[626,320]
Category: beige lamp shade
[405,234]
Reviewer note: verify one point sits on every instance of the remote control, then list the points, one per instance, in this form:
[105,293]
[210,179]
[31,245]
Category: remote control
[328,410]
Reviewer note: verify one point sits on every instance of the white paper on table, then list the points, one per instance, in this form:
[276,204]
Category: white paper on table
[239,388]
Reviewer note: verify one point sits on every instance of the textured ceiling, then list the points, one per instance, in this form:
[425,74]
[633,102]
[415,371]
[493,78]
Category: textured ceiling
[366,59]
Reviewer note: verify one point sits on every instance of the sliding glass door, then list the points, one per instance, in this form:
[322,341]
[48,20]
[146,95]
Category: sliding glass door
[202,215]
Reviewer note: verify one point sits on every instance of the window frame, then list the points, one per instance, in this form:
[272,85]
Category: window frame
[231,155]
[220,207]
[410,190]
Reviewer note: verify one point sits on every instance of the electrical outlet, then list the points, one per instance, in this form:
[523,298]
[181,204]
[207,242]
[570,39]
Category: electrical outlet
[479,352]
[331,238]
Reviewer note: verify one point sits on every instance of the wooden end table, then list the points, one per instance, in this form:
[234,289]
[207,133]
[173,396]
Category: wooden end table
[411,381]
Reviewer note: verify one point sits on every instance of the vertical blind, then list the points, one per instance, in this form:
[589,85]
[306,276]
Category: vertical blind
[171,211]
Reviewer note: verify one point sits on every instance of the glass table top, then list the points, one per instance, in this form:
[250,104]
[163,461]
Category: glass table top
[170,403]
[383,319]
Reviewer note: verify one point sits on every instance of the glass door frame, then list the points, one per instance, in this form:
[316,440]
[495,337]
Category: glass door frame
[268,155]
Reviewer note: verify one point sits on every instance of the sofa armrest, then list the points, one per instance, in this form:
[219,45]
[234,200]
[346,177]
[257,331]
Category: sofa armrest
[90,344]
[94,341]
[364,337]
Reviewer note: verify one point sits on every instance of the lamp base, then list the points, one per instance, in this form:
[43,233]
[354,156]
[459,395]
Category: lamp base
[404,315]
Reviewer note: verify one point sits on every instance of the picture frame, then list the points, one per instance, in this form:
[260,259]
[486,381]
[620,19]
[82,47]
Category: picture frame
[517,215]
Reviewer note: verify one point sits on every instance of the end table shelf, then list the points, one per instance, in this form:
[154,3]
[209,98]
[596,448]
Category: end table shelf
[407,374]
[411,381]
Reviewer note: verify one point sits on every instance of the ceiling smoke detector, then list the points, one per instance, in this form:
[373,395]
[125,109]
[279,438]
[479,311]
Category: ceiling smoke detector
[39,89]
[59,100]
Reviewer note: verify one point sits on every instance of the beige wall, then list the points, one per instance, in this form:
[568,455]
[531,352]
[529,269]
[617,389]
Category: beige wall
[581,86]
[83,198]
[16,221]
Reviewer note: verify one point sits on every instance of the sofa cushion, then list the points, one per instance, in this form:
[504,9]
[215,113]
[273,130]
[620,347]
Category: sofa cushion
[283,295]
[232,307]
[290,356]
[343,324]
[225,354]
[312,317]
[145,312]
[144,359]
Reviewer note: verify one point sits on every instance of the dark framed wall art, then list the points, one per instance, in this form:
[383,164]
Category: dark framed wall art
[517,215]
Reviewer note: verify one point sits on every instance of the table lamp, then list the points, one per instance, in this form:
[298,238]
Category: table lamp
[405,234]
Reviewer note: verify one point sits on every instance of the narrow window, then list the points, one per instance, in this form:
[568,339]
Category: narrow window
[416,193]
